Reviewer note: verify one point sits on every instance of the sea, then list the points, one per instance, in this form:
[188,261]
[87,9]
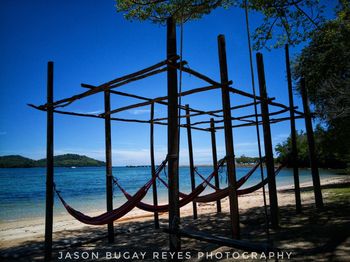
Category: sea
[22,190]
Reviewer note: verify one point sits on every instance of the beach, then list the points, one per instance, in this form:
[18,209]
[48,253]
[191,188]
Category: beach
[24,238]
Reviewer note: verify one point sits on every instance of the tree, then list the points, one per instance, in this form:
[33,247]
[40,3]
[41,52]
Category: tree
[284,21]
[327,154]
[325,64]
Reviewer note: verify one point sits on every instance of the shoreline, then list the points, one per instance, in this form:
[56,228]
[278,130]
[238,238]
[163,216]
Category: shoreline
[16,233]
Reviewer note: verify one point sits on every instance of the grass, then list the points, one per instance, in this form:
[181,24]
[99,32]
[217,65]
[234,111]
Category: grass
[338,194]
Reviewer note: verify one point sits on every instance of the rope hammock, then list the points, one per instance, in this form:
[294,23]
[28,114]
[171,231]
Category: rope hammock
[239,183]
[194,195]
[115,214]
[108,217]
[225,192]
[182,202]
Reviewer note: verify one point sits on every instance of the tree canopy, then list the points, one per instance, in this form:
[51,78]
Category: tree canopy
[325,64]
[284,21]
[328,154]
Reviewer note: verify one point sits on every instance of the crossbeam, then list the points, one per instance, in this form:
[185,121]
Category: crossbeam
[272,121]
[150,100]
[224,241]
[106,86]
[113,118]
[162,98]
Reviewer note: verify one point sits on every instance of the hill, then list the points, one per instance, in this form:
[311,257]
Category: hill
[66,160]
[16,161]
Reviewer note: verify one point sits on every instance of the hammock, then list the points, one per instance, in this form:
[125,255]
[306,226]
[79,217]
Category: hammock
[115,214]
[225,192]
[182,202]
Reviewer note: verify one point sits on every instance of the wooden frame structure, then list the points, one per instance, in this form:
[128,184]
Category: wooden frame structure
[223,115]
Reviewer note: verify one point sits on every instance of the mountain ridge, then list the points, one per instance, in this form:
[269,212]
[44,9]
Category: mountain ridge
[65,160]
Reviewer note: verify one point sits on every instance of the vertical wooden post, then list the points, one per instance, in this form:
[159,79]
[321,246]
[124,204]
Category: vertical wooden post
[153,169]
[230,157]
[311,143]
[190,155]
[294,152]
[268,143]
[215,160]
[109,180]
[49,164]
[173,141]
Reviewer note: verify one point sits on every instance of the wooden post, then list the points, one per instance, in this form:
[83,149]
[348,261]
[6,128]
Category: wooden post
[311,143]
[230,157]
[109,179]
[294,152]
[270,167]
[49,165]
[173,141]
[215,160]
[190,155]
[153,169]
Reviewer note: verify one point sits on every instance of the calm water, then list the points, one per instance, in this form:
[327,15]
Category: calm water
[22,190]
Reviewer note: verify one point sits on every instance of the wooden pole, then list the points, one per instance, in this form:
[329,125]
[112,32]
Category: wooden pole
[215,160]
[190,155]
[153,169]
[109,178]
[230,157]
[270,167]
[173,141]
[49,165]
[311,143]
[293,136]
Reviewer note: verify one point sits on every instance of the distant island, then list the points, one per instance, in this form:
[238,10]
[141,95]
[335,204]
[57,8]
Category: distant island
[66,160]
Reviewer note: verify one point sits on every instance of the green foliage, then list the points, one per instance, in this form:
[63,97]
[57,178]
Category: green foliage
[67,160]
[247,160]
[325,64]
[284,21]
[159,10]
[326,150]
[16,161]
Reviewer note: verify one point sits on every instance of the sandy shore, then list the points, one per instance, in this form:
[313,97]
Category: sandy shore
[19,233]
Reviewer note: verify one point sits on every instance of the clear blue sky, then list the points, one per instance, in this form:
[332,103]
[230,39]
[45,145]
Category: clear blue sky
[90,43]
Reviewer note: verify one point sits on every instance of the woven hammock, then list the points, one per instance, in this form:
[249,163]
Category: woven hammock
[225,192]
[117,213]
[182,202]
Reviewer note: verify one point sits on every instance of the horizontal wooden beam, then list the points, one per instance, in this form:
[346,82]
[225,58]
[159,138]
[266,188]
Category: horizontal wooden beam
[162,98]
[272,121]
[228,242]
[198,75]
[112,118]
[150,100]
[107,85]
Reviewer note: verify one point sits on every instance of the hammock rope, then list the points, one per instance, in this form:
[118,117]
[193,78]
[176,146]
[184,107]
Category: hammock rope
[185,199]
[240,182]
[225,192]
[203,178]
[194,195]
[256,117]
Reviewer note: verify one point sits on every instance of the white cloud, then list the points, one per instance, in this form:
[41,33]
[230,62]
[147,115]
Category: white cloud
[139,111]
[96,112]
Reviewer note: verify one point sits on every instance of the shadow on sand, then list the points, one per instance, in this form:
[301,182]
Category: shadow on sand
[312,236]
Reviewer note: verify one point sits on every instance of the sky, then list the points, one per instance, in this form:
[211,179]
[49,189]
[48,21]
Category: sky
[91,43]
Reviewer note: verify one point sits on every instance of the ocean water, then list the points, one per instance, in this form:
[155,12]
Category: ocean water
[22,190]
